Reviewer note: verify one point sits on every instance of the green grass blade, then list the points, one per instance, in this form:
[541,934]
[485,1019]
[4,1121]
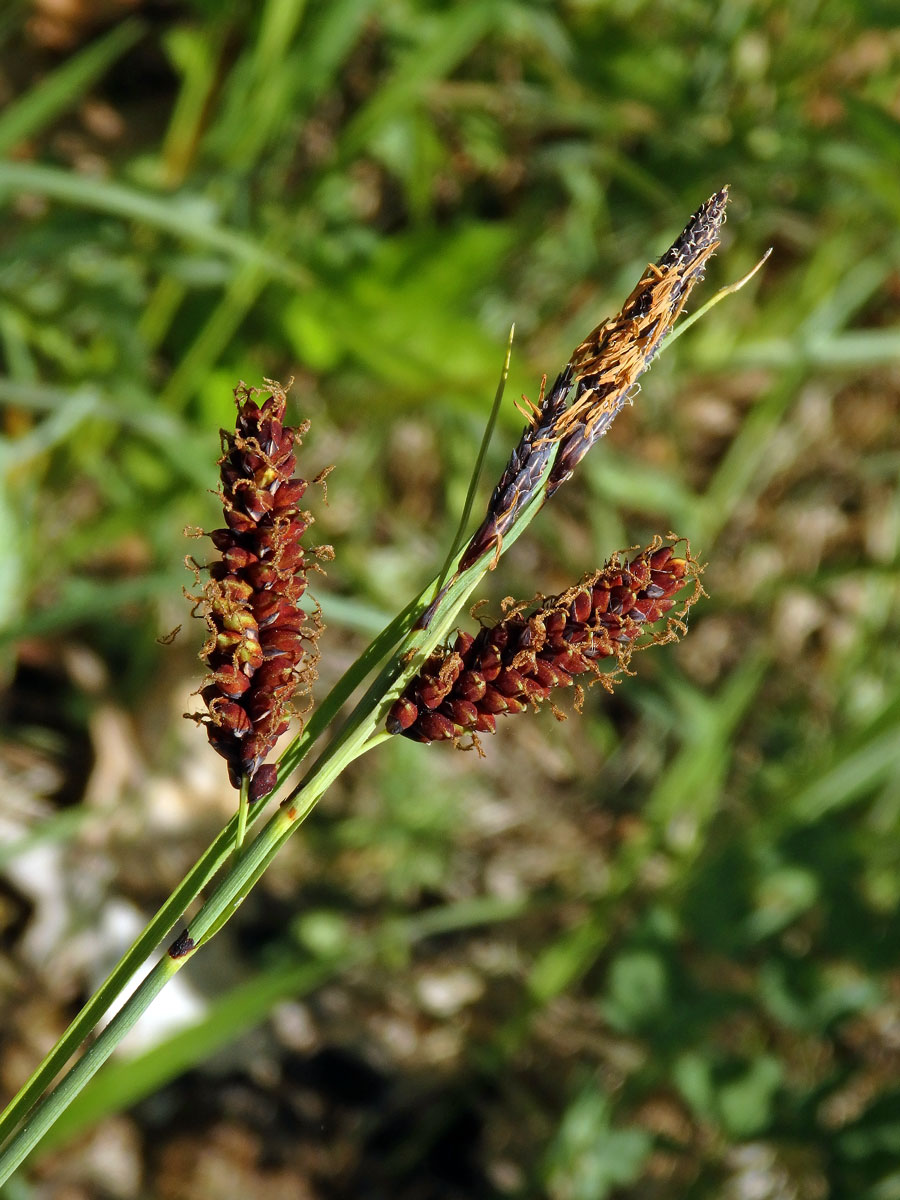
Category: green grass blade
[857,349]
[328,39]
[747,465]
[54,429]
[270,81]
[13,581]
[196,55]
[188,218]
[691,785]
[728,290]
[57,92]
[460,29]
[80,600]
[214,336]
[849,779]
[456,544]
[61,827]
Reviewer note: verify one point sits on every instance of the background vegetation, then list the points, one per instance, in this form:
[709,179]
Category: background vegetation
[650,952]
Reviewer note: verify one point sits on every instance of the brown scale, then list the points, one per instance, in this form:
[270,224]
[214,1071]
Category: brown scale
[517,663]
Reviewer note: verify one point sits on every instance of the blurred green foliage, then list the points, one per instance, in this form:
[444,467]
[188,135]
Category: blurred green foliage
[696,991]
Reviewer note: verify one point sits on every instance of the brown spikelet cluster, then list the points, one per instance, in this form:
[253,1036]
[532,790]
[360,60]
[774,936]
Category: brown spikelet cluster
[600,377]
[261,648]
[609,361]
[517,663]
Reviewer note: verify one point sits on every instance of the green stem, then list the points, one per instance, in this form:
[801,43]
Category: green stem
[328,709]
[376,739]
[86,1067]
[128,1080]
[243,811]
[196,879]
[217,911]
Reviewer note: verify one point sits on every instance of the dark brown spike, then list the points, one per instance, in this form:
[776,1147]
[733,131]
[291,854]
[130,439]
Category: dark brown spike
[518,662]
[261,649]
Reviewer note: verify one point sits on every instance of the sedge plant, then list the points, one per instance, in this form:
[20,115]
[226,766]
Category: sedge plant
[428,681]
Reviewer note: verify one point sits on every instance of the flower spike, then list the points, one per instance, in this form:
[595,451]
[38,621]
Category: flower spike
[600,378]
[261,648]
[609,361]
[517,663]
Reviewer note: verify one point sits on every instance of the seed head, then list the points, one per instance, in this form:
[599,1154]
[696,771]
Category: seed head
[517,663]
[261,648]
